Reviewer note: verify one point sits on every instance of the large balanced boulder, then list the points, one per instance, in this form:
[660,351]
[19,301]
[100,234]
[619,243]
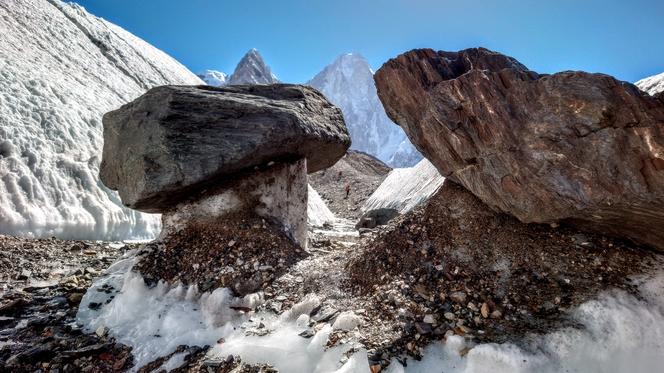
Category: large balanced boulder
[569,147]
[176,140]
[208,158]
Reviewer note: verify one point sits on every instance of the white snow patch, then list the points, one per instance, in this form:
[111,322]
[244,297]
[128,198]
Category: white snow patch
[318,214]
[61,69]
[287,351]
[405,188]
[620,334]
[175,361]
[213,78]
[155,321]
[347,321]
[653,84]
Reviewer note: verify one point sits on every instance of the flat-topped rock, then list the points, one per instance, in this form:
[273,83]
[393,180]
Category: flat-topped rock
[572,147]
[175,141]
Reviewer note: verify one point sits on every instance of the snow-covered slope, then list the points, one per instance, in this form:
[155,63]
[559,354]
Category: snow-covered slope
[252,70]
[60,70]
[318,214]
[213,78]
[652,85]
[405,188]
[348,83]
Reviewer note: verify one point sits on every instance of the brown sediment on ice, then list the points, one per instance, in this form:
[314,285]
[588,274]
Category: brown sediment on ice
[453,266]
[43,282]
[242,251]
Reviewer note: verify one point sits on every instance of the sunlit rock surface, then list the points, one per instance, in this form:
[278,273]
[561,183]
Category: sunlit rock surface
[573,146]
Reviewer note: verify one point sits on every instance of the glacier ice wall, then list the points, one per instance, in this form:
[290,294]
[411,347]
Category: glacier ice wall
[405,188]
[60,70]
[317,211]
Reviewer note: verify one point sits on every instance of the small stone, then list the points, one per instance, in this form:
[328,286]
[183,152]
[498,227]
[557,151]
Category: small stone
[376,368]
[496,314]
[101,331]
[75,298]
[472,306]
[450,316]
[484,310]
[429,319]
[459,297]
[307,333]
[25,274]
[464,329]
[423,328]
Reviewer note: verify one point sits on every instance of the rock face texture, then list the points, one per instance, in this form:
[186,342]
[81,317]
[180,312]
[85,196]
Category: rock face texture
[175,140]
[572,147]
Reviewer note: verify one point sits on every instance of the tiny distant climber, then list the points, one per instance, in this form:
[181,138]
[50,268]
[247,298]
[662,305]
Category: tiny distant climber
[339,176]
[347,190]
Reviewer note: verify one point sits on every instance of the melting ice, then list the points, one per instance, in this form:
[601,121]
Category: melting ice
[620,333]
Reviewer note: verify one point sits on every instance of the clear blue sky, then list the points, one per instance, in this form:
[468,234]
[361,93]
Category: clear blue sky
[299,37]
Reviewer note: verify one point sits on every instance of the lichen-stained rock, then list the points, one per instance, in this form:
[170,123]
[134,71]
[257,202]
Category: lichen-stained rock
[573,146]
[174,141]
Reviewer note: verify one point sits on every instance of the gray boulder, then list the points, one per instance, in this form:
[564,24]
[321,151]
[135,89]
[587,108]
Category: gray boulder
[176,141]
[374,218]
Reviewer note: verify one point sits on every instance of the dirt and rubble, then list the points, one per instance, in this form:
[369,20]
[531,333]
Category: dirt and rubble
[357,172]
[453,266]
[43,282]
[243,252]
[449,267]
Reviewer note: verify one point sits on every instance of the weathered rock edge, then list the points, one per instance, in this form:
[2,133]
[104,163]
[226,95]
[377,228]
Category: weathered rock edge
[177,140]
[572,147]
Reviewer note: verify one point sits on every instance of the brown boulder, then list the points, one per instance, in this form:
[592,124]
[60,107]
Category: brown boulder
[569,147]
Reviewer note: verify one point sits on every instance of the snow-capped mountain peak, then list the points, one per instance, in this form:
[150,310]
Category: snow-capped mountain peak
[213,78]
[348,83]
[252,70]
[653,84]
